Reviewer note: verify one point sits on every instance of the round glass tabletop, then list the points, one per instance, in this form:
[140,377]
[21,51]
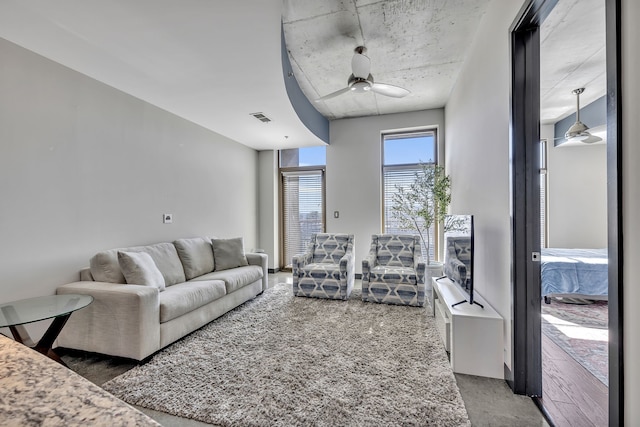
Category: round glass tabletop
[40,308]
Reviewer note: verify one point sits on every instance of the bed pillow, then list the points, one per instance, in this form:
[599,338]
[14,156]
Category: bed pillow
[228,253]
[138,268]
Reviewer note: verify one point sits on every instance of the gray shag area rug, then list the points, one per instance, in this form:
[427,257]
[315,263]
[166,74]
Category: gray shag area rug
[281,360]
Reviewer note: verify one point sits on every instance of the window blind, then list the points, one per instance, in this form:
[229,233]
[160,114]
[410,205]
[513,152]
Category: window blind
[401,177]
[543,194]
[303,210]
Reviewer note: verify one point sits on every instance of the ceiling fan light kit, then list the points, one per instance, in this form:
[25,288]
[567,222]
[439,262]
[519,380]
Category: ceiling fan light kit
[361,80]
[579,132]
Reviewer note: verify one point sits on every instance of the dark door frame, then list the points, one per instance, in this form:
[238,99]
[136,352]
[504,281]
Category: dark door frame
[525,376]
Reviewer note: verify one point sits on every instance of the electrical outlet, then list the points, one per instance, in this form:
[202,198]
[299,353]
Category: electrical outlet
[167,218]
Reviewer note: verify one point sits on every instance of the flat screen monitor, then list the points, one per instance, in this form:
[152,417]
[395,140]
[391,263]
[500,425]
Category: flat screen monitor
[459,253]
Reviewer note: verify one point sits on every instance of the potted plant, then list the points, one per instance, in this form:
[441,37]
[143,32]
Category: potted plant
[423,204]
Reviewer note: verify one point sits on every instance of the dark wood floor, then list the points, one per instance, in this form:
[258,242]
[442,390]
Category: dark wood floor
[571,394]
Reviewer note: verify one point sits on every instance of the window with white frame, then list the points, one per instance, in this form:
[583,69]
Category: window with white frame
[402,156]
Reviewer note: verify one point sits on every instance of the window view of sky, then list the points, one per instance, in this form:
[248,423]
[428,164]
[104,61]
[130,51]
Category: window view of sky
[401,151]
[397,151]
[313,156]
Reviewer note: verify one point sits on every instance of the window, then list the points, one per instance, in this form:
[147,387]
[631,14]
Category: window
[402,154]
[302,198]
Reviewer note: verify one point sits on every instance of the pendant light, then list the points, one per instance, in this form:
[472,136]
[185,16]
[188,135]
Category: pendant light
[579,132]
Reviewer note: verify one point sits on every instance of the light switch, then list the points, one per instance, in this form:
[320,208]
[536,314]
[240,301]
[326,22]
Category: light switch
[336,214]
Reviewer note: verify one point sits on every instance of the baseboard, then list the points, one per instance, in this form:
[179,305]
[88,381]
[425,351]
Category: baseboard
[508,377]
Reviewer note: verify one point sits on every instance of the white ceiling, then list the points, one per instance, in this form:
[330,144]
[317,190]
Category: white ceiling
[215,62]
[572,55]
[211,62]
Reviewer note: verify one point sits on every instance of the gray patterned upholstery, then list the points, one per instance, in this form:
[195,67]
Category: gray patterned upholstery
[457,258]
[392,272]
[326,269]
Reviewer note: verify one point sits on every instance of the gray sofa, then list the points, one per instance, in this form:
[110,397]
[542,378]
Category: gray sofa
[457,258]
[185,285]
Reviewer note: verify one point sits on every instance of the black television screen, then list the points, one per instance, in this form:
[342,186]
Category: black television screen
[459,251]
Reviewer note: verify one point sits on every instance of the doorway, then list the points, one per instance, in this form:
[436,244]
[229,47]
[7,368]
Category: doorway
[526,374]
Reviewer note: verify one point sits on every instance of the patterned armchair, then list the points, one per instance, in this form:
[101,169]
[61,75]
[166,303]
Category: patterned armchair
[457,257]
[392,272]
[326,269]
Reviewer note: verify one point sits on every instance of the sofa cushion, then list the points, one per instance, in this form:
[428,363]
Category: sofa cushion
[185,297]
[321,271]
[138,268]
[105,267]
[196,255]
[330,248]
[235,278]
[395,250]
[404,275]
[228,253]
[463,250]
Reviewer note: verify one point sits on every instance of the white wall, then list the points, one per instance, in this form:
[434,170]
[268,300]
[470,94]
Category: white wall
[269,219]
[353,181]
[630,92]
[477,155]
[577,196]
[84,167]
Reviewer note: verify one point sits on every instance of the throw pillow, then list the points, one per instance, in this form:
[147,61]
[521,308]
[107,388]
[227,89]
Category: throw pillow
[138,268]
[228,253]
[196,256]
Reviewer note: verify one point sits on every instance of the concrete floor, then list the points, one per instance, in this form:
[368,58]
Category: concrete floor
[489,402]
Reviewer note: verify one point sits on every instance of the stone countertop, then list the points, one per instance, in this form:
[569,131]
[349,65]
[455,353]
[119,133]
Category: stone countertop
[36,391]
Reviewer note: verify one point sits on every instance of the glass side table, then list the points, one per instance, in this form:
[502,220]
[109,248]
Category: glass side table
[57,307]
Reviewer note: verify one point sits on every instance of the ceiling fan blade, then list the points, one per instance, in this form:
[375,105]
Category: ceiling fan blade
[333,94]
[591,139]
[389,90]
[360,65]
[589,135]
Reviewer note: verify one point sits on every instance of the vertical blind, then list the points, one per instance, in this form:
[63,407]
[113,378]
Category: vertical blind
[395,177]
[303,210]
[543,194]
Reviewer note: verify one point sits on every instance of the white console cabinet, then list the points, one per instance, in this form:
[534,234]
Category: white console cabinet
[472,335]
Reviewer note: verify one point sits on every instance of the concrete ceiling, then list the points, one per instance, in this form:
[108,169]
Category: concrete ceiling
[216,62]
[419,45]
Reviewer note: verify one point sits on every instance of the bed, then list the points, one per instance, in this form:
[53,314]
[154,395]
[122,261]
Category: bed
[577,273]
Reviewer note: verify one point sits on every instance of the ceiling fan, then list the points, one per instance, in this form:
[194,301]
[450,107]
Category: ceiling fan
[361,80]
[579,132]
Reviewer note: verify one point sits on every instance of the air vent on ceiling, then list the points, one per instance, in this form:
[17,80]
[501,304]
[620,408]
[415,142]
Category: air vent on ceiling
[261,117]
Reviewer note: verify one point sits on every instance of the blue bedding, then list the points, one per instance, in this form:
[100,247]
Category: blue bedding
[582,272]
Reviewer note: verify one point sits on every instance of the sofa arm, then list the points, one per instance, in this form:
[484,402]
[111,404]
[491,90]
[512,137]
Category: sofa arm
[420,268]
[299,261]
[457,269]
[122,320]
[263,261]
[347,270]
[368,263]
